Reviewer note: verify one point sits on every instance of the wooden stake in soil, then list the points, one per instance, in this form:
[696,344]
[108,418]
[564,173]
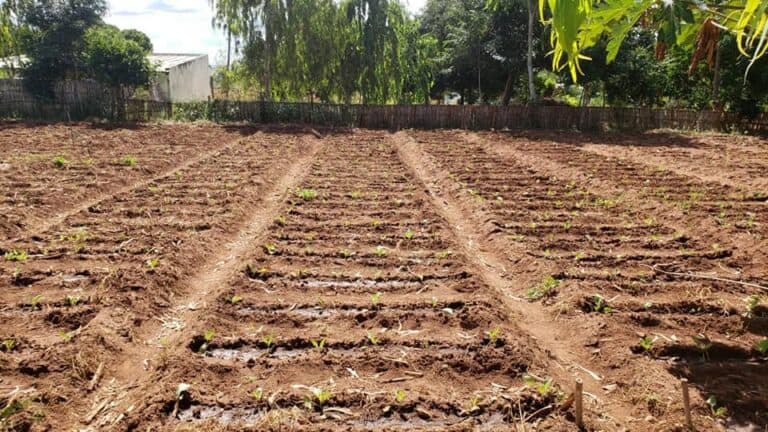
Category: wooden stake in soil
[687,404]
[578,400]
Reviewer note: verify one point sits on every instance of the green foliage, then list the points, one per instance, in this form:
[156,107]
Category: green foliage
[543,289]
[717,411]
[306,194]
[16,255]
[141,39]
[60,161]
[543,387]
[762,346]
[129,161]
[646,343]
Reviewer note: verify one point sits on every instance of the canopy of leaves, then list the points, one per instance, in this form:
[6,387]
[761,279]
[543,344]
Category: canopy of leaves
[112,58]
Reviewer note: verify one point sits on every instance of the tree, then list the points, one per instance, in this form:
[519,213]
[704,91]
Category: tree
[140,38]
[579,24]
[117,61]
[56,43]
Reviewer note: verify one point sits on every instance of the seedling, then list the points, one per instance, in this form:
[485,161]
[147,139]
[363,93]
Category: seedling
[60,162]
[399,396]
[380,251]
[376,223]
[268,340]
[716,410]
[235,299]
[257,394]
[762,346]
[306,194]
[543,289]
[67,336]
[129,161]
[443,254]
[543,387]
[474,403]
[153,263]
[493,334]
[599,305]
[318,344]
[753,302]
[208,336]
[372,338]
[375,299]
[270,249]
[72,300]
[409,235]
[16,255]
[35,301]
[321,395]
[434,302]
[346,253]
[280,220]
[9,345]
[356,195]
[703,343]
[646,343]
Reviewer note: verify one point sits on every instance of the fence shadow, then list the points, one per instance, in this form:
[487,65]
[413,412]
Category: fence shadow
[661,139]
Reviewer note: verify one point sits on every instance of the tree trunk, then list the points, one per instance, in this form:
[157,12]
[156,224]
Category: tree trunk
[507,95]
[529,56]
[229,47]
[479,88]
[716,81]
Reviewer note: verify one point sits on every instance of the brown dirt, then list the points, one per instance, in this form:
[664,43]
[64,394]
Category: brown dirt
[398,297]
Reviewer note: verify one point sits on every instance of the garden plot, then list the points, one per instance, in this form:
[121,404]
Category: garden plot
[603,264]
[76,294]
[356,311]
[49,170]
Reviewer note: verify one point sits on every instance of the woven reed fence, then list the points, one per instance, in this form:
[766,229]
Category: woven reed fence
[79,100]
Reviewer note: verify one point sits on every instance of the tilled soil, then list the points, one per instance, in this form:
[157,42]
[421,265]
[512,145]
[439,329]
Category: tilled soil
[367,281]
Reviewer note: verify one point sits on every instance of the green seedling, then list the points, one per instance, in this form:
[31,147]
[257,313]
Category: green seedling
[318,344]
[72,300]
[153,189]
[600,305]
[474,403]
[409,235]
[35,301]
[346,253]
[306,194]
[702,343]
[376,223]
[714,409]
[493,334]
[280,220]
[258,394]
[375,299]
[67,336]
[16,255]
[268,340]
[16,274]
[646,343]
[434,302]
[752,302]
[321,395]
[129,161]
[235,299]
[648,305]
[762,346]
[543,387]
[543,289]
[9,345]
[443,254]
[153,263]
[399,396]
[270,249]
[356,195]
[372,338]
[380,251]
[60,162]
[208,336]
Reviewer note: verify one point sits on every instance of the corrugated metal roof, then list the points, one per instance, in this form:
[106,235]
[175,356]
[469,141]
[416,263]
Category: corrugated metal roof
[164,62]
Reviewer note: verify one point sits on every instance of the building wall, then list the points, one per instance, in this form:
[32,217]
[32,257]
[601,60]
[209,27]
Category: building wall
[190,81]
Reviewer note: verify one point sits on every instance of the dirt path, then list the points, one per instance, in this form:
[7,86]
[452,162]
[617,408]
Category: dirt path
[555,338]
[128,380]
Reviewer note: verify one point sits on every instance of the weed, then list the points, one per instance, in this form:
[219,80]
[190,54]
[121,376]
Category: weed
[409,235]
[318,344]
[60,161]
[9,345]
[72,300]
[306,194]
[543,289]
[16,255]
[129,161]
[762,346]
[716,410]
[153,263]
[235,299]
[381,251]
[270,248]
[399,396]
[375,299]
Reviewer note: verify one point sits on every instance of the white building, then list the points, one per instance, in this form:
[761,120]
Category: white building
[181,77]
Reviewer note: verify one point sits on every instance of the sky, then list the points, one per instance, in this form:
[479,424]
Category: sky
[181,26]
